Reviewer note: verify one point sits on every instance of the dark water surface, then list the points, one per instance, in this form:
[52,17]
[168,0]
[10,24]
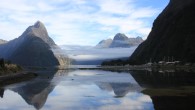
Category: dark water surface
[102,90]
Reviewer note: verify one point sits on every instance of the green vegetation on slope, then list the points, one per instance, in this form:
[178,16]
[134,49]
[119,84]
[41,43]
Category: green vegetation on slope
[6,67]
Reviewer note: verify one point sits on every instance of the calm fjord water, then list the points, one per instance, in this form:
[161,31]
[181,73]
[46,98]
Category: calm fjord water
[102,90]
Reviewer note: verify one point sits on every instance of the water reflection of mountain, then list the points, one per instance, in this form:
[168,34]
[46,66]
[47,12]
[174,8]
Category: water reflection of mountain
[174,102]
[1,92]
[159,80]
[36,92]
[119,89]
[168,91]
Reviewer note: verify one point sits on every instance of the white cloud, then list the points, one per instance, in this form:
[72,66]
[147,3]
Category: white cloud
[16,5]
[42,6]
[82,22]
[144,32]
[145,12]
[130,104]
[116,6]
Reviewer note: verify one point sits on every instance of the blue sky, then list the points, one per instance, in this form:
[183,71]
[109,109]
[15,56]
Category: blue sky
[80,22]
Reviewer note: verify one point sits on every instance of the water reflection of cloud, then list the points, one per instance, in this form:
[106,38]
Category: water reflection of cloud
[101,76]
[129,104]
[83,93]
[70,97]
[84,97]
[13,101]
[81,97]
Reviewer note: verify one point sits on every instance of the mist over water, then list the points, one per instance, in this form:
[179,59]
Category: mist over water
[96,55]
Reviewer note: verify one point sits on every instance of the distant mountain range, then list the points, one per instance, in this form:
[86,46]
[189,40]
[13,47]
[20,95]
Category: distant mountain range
[172,35]
[33,48]
[120,40]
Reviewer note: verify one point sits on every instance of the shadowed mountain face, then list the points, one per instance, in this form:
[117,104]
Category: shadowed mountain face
[32,48]
[120,40]
[172,35]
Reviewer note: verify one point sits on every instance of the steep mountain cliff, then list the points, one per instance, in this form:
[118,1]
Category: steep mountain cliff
[120,40]
[33,48]
[172,35]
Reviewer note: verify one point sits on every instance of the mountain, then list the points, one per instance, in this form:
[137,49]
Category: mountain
[172,35]
[2,41]
[33,48]
[120,40]
[104,43]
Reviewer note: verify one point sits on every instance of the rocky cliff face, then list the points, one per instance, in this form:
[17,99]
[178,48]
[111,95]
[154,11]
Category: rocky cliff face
[33,48]
[120,40]
[172,35]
